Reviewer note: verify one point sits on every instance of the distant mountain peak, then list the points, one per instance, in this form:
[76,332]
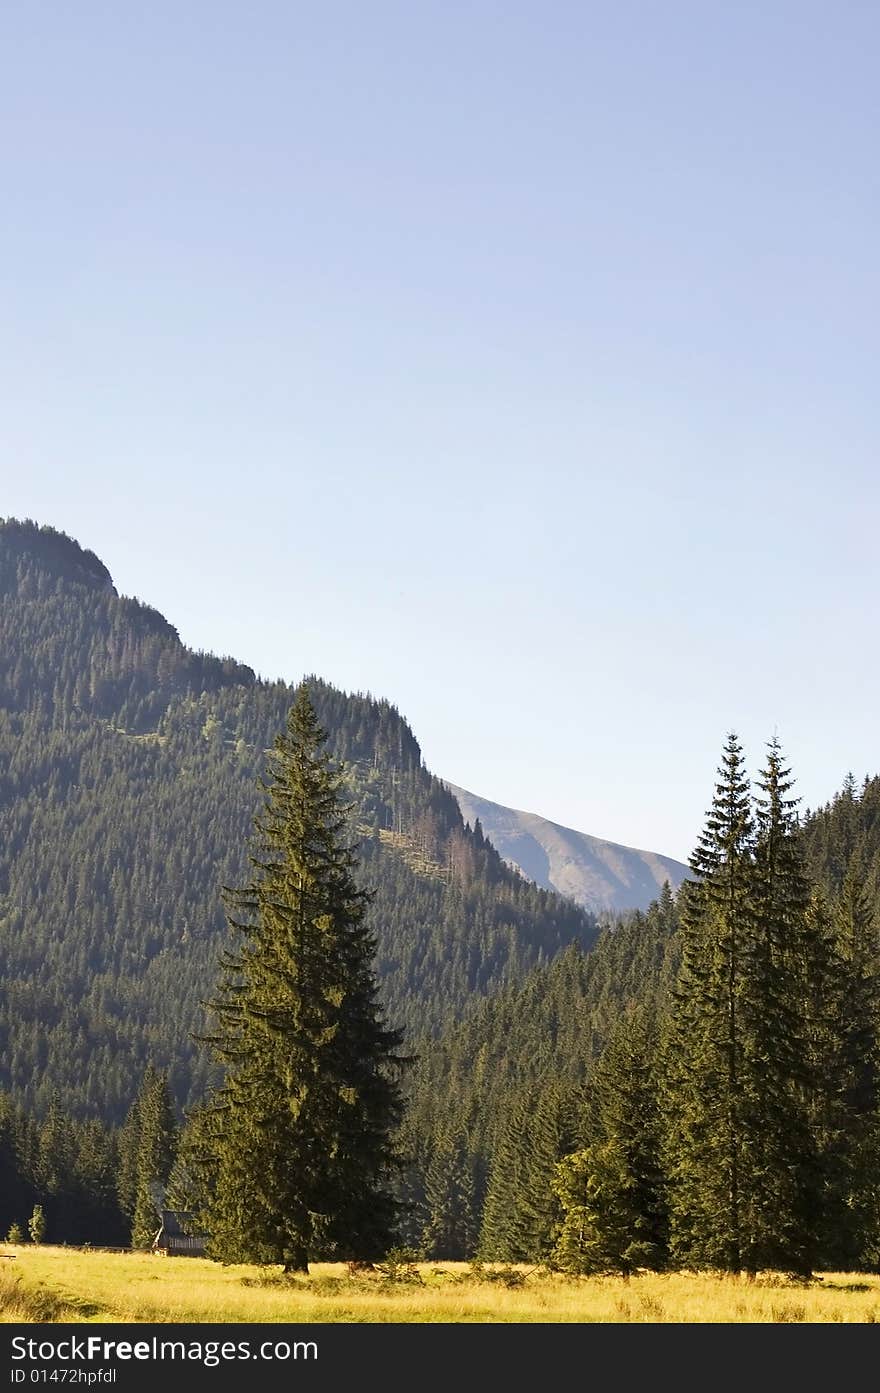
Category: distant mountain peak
[595,873]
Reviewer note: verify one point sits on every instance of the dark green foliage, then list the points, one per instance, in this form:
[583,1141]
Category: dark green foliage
[295,1147]
[762,1146]
[127,767]
[842,847]
[155,1149]
[508,1082]
[127,773]
[846,1105]
[858,1041]
[553,1134]
[504,1232]
[602,1222]
[612,1192]
[844,837]
[553,1026]
[451,1219]
[66,1166]
[521,1214]
[128,1146]
[17,1181]
[785,1157]
[712,1119]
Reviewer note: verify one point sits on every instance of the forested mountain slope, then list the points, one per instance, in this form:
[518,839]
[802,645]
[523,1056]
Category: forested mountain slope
[128,785]
[843,837]
[499,1098]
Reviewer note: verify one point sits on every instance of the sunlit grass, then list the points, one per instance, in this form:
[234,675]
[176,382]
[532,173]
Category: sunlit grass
[60,1284]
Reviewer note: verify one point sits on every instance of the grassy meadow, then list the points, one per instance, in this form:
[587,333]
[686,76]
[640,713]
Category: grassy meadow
[64,1284]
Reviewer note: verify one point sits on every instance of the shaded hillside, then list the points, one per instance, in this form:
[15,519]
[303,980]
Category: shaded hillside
[502,1095]
[597,874]
[523,1060]
[555,1023]
[128,784]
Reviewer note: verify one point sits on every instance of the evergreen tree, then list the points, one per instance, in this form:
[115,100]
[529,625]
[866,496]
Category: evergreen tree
[551,1136]
[37,1224]
[296,1149]
[612,1191]
[450,1230]
[113,846]
[847,1035]
[600,1223]
[157,1144]
[16,1193]
[752,1080]
[55,1164]
[521,1211]
[127,1172]
[709,1103]
[504,1235]
[859,1032]
[783,1193]
[95,1170]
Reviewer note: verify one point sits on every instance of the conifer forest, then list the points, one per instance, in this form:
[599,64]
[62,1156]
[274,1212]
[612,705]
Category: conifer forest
[254,962]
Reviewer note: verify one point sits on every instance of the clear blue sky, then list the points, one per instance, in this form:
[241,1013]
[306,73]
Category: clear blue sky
[517,362]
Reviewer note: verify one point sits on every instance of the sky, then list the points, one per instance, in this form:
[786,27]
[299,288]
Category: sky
[515,362]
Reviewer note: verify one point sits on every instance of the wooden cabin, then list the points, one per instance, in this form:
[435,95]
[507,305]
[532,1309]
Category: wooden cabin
[178,1236]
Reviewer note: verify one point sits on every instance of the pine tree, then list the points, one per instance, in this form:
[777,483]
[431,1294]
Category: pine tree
[612,1191]
[709,1101]
[751,1077]
[551,1136]
[783,1192]
[295,1147]
[504,1235]
[157,1145]
[16,1190]
[56,1150]
[600,1220]
[450,1230]
[129,1147]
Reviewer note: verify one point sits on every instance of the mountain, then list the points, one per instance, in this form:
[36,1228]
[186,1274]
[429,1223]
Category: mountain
[594,873]
[129,769]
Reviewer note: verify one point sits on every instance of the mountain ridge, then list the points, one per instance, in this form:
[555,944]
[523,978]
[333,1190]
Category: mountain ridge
[594,872]
[129,780]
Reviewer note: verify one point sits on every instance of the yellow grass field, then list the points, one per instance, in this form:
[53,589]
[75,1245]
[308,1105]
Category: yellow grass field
[61,1284]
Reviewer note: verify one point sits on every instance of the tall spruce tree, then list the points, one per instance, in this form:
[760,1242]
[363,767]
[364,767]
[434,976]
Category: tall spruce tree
[504,1231]
[552,1136]
[127,1172]
[157,1145]
[709,1104]
[296,1147]
[783,1192]
[450,1230]
[748,1074]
